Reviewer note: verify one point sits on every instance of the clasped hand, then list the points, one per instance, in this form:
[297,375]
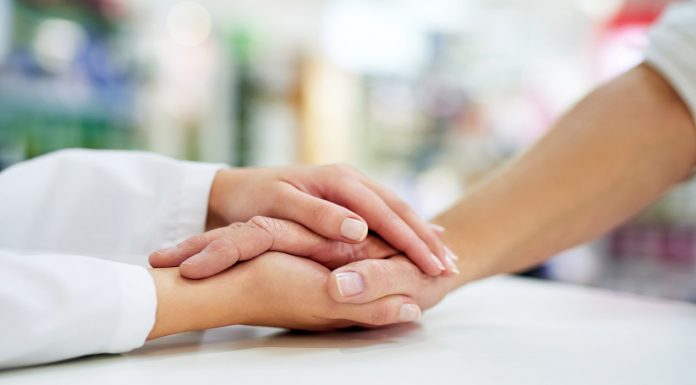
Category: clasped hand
[294,226]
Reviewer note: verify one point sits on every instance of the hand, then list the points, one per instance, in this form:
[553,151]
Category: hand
[336,202]
[210,253]
[274,289]
[369,280]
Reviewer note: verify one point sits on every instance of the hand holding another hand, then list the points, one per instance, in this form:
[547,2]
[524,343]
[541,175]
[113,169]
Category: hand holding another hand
[375,284]
[274,289]
[212,252]
[336,202]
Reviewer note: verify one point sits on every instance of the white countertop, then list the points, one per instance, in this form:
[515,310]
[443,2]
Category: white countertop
[500,331]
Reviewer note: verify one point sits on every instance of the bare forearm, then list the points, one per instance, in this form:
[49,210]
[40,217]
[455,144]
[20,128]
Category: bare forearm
[187,305]
[610,156]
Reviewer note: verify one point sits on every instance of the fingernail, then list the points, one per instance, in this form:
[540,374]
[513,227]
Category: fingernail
[349,283]
[451,253]
[437,262]
[354,229]
[437,228]
[450,263]
[409,312]
[165,250]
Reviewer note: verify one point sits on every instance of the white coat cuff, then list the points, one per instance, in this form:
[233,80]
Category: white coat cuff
[192,202]
[138,307]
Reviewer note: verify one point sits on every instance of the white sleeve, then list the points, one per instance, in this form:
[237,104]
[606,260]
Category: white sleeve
[107,204]
[672,50]
[55,307]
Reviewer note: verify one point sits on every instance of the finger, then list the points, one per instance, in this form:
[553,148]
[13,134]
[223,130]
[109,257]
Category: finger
[388,224]
[323,217]
[423,229]
[334,254]
[174,256]
[437,229]
[243,241]
[389,310]
[293,238]
[369,280]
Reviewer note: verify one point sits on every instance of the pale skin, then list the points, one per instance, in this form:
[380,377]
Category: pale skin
[610,156]
[336,202]
[273,290]
[617,151]
[309,206]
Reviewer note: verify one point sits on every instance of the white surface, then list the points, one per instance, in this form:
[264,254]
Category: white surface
[501,331]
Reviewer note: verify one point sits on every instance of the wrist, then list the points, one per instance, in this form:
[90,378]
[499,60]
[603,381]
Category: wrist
[470,237]
[185,305]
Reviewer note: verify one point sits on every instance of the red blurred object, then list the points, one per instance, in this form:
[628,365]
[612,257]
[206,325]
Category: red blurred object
[621,41]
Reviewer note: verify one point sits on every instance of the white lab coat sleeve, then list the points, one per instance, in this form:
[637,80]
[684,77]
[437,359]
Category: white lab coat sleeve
[109,204]
[672,50]
[66,219]
[55,307]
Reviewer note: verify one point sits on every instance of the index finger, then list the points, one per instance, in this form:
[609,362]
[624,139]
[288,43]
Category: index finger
[420,227]
[389,225]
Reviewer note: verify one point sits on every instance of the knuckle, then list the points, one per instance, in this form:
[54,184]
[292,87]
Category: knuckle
[233,227]
[265,223]
[220,245]
[193,241]
[272,228]
[343,169]
[322,213]
[224,247]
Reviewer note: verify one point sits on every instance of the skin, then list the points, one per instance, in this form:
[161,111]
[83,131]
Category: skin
[274,289]
[610,156]
[617,151]
[318,198]
[214,251]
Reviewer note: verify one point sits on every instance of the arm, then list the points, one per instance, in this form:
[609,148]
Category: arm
[56,307]
[116,203]
[110,204]
[335,202]
[619,150]
[276,290]
[616,152]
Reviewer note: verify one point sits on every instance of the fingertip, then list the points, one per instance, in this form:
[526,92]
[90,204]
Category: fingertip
[345,286]
[354,230]
[158,258]
[394,309]
[437,263]
[409,312]
[437,229]
[451,254]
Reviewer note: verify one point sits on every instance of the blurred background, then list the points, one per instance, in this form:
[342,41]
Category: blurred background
[426,97]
